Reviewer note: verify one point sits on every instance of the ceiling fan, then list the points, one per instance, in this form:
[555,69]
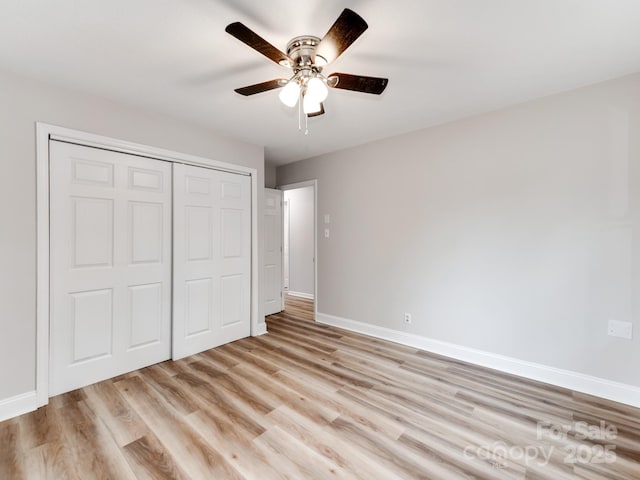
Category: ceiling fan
[306,56]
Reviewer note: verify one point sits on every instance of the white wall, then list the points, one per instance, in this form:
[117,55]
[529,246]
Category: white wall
[515,232]
[23,103]
[301,241]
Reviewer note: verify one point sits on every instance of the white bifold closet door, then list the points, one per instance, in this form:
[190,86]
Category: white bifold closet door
[212,258]
[110,264]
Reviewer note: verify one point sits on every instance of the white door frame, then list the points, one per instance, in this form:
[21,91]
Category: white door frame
[314,184]
[45,132]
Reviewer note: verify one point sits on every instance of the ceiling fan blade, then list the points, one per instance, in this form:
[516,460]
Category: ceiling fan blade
[255,41]
[358,83]
[261,87]
[318,113]
[346,29]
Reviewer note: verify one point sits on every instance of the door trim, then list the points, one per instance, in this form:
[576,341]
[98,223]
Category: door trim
[314,184]
[46,132]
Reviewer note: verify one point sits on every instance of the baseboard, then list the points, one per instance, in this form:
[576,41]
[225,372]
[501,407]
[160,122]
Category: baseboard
[308,296]
[579,382]
[14,406]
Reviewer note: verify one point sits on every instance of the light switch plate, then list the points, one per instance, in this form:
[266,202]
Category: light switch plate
[327,218]
[620,329]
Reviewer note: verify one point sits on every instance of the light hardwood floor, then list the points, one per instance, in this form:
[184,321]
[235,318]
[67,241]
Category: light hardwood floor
[309,401]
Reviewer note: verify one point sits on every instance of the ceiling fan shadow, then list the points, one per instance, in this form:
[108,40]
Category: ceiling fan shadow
[323,6]
[216,75]
[394,59]
[246,10]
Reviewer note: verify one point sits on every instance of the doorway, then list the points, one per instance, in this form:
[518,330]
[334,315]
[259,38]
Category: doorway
[299,243]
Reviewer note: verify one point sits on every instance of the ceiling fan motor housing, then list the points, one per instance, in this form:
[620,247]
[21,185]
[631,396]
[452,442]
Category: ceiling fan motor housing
[301,50]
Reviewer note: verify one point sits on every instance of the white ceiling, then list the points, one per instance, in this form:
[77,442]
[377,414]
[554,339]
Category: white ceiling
[445,59]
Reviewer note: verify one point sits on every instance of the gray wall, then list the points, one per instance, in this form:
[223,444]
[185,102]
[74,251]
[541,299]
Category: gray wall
[514,232]
[269,175]
[301,244]
[23,103]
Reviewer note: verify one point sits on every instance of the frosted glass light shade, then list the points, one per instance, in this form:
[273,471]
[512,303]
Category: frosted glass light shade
[290,93]
[317,90]
[310,105]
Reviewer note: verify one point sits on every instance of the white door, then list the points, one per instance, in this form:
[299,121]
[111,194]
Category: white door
[272,252]
[211,258]
[110,264]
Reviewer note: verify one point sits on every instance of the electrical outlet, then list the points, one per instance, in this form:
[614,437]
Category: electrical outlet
[407,318]
[620,329]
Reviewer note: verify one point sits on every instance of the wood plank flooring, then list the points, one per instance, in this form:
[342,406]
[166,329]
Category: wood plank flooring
[308,401]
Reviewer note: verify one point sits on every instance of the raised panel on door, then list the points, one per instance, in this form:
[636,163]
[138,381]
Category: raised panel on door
[273,231]
[198,233]
[198,307]
[232,299]
[231,228]
[91,318]
[146,233]
[92,232]
[110,219]
[211,259]
[145,314]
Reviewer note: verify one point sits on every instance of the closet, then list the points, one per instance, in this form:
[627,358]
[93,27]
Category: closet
[149,260]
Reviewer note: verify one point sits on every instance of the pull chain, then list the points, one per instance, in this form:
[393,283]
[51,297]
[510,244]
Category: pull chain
[300,114]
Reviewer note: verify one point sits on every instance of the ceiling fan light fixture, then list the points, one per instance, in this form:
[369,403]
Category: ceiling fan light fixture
[317,90]
[290,93]
[310,105]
